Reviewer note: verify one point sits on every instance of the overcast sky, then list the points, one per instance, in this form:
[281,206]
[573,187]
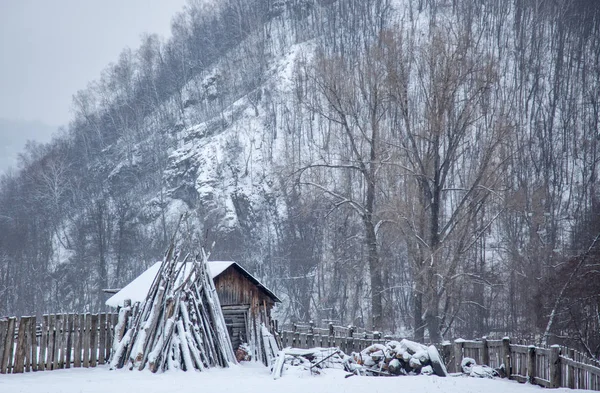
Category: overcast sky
[50,49]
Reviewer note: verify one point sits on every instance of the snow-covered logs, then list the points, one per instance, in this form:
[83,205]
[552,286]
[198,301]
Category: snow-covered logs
[397,358]
[180,325]
[313,359]
[472,369]
[394,358]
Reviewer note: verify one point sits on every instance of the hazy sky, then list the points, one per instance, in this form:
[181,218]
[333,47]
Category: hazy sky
[49,49]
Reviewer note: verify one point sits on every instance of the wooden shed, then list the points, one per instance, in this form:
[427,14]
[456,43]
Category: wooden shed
[245,301]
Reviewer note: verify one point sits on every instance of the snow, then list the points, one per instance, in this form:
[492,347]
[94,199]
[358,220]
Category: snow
[249,378]
[138,288]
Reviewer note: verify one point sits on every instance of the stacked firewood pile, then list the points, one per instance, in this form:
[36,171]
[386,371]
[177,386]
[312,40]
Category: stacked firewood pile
[313,360]
[397,358]
[179,326]
[394,358]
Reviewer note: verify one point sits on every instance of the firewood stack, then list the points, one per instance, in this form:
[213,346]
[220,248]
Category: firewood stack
[397,358]
[180,324]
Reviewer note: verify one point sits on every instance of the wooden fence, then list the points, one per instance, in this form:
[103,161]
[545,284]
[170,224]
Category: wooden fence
[549,367]
[552,367]
[59,341]
[348,339]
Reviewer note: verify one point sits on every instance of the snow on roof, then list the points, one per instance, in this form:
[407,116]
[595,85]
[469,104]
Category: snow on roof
[218,267]
[138,288]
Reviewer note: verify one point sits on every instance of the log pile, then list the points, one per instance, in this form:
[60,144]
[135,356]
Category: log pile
[313,360]
[397,358]
[180,325]
[394,358]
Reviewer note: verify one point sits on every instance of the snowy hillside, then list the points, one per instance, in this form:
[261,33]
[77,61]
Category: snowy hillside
[425,168]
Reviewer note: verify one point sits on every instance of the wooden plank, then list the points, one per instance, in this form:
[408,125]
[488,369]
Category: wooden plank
[101,338]
[542,382]
[77,340]
[473,344]
[33,354]
[542,351]
[64,339]
[519,348]
[3,333]
[109,342]
[458,355]
[27,347]
[28,344]
[43,344]
[69,340]
[506,355]
[531,364]
[21,343]
[58,345]
[94,341]
[43,347]
[51,341]
[10,345]
[64,345]
[555,367]
[519,378]
[86,340]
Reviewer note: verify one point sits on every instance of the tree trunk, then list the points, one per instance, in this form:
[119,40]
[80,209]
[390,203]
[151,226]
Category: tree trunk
[419,335]
[375,276]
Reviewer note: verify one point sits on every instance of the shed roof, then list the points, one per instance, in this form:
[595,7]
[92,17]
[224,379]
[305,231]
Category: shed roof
[137,290]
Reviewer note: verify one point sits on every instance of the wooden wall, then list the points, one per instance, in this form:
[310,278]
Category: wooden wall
[235,289]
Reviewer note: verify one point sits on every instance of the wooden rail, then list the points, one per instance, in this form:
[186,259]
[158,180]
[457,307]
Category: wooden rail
[57,341]
[552,367]
[333,330]
[308,340]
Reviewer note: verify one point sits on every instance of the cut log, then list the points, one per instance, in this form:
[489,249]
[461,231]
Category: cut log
[436,362]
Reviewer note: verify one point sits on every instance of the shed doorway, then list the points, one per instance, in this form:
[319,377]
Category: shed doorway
[236,320]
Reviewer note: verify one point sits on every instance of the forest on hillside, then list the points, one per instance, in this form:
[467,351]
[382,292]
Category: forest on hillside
[422,167]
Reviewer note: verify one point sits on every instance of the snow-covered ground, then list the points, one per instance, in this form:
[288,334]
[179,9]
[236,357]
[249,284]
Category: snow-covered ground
[248,378]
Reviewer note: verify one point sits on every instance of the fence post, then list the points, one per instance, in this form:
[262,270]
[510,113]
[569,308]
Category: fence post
[554,364]
[485,351]
[571,380]
[331,328]
[7,360]
[531,364]
[458,354]
[447,354]
[34,345]
[296,340]
[310,337]
[3,334]
[21,343]
[506,356]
